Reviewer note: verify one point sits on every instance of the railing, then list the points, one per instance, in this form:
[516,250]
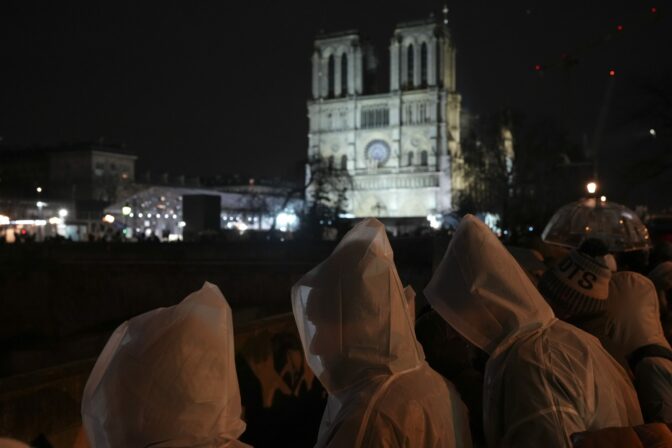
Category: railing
[430,180]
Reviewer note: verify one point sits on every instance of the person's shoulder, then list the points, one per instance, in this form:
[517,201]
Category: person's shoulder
[559,347]
[419,383]
[661,367]
[415,393]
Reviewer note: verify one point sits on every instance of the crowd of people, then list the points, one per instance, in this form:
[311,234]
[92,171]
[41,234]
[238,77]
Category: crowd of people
[576,355]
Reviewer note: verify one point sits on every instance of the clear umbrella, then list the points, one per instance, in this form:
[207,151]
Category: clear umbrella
[619,227]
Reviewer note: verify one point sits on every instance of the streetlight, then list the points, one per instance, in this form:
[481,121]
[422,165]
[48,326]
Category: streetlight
[39,189]
[591,187]
[652,132]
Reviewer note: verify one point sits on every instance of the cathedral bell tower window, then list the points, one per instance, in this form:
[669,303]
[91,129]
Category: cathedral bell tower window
[331,76]
[344,75]
[423,64]
[410,66]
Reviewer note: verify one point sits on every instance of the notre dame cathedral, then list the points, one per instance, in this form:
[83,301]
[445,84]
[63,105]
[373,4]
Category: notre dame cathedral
[401,146]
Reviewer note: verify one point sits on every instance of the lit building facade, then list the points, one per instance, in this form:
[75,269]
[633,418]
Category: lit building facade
[400,148]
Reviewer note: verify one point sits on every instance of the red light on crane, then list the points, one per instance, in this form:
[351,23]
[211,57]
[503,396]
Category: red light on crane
[654,10]
[612,73]
[537,67]
[619,28]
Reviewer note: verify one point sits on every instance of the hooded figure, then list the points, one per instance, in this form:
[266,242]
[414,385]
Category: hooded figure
[544,379]
[637,331]
[358,337]
[167,378]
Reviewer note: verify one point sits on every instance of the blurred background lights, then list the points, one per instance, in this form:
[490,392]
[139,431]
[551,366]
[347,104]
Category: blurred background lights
[286,220]
[434,221]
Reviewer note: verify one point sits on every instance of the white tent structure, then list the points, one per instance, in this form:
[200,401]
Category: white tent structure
[158,210]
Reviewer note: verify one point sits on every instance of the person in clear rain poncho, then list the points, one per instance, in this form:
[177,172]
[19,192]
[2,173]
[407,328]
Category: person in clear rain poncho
[167,378]
[544,379]
[636,329]
[358,337]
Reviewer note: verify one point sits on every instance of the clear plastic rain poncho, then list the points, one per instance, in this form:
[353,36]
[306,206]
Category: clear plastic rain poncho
[545,379]
[167,378]
[355,328]
[638,332]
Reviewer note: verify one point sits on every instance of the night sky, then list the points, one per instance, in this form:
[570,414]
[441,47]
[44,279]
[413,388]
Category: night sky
[220,86]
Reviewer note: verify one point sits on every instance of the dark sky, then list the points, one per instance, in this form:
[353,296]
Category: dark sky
[220,86]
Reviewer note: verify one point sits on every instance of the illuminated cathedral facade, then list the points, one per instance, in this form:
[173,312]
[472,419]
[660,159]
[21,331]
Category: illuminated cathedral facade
[399,147]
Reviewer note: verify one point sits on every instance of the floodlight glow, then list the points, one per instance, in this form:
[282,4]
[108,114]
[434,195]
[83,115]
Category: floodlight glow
[238,225]
[603,198]
[4,220]
[126,210]
[40,222]
[591,187]
[434,221]
[40,204]
[182,224]
[241,226]
[62,213]
[285,220]
[652,132]
[39,189]
[55,221]
[108,219]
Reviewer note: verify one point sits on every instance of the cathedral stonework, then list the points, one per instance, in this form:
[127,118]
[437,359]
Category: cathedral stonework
[401,148]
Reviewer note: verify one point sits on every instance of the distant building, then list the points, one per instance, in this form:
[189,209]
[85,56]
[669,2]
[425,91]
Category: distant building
[401,148]
[47,187]
[77,172]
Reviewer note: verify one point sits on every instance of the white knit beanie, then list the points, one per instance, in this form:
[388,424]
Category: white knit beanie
[577,285]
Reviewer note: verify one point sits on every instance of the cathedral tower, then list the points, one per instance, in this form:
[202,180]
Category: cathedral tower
[398,147]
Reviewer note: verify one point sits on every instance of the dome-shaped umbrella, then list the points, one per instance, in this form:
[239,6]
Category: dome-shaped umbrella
[619,227]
